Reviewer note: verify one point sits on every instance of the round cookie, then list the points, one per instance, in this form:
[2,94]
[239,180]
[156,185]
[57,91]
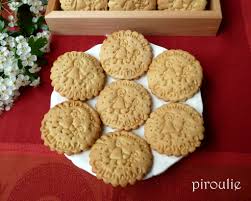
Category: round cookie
[77,76]
[174,75]
[125,55]
[121,158]
[70,127]
[182,5]
[132,4]
[69,5]
[124,105]
[174,129]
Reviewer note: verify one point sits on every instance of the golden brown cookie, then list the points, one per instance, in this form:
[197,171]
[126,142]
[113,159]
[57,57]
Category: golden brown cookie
[182,5]
[174,129]
[132,4]
[70,127]
[125,55]
[175,75]
[124,105]
[77,76]
[121,158]
[69,5]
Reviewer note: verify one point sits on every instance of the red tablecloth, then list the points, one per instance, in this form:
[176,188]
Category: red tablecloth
[29,172]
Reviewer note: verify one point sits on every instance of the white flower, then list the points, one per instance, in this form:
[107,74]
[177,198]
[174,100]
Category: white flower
[34,69]
[23,49]
[16,93]
[25,63]
[26,78]
[3,36]
[8,82]
[36,82]
[44,33]
[14,5]
[20,39]
[11,66]
[11,42]
[11,24]
[16,56]
[2,88]
[29,61]
[8,107]
[4,96]
[22,80]
[3,42]
[4,53]
[10,17]
[36,6]
[34,19]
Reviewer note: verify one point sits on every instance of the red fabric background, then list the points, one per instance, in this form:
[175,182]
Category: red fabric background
[226,152]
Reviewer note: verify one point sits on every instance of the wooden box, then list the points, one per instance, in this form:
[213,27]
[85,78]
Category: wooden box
[173,23]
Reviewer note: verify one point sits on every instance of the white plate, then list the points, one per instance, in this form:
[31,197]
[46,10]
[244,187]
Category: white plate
[161,162]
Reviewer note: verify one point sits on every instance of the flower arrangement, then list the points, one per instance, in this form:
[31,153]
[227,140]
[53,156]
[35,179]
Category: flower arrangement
[24,39]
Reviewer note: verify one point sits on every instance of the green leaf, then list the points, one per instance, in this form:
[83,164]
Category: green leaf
[25,23]
[36,46]
[40,21]
[45,2]
[32,76]
[19,63]
[2,24]
[44,27]
[14,33]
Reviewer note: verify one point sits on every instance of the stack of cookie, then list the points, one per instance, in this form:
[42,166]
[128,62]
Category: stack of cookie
[182,5]
[121,157]
[119,5]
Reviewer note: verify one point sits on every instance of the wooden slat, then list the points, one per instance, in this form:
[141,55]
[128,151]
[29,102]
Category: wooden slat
[147,22]
[133,14]
[53,5]
[215,5]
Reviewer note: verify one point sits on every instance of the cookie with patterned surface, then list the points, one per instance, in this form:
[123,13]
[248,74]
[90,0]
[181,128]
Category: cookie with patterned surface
[124,105]
[69,5]
[77,76]
[125,55]
[174,129]
[174,75]
[182,5]
[132,4]
[70,127]
[121,158]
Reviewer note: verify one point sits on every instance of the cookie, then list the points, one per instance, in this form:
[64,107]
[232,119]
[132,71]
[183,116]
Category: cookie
[182,5]
[174,129]
[70,127]
[69,5]
[124,105]
[121,158]
[174,75]
[132,4]
[77,76]
[125,55]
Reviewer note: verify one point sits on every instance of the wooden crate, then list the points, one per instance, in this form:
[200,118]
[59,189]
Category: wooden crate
[175,23]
